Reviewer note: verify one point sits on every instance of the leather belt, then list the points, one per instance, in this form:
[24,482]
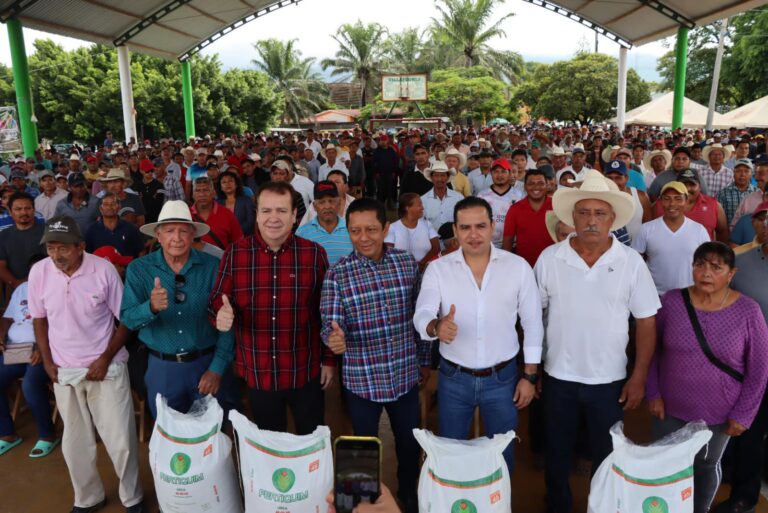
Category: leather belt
[189,356]
[478,373]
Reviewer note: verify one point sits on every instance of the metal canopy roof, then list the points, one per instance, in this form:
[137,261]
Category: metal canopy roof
[172,29]
[636,22]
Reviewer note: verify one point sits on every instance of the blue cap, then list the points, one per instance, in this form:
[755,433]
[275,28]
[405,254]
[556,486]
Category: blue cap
[617,166]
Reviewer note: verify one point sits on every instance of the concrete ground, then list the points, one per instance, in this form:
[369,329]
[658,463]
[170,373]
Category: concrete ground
[43,485]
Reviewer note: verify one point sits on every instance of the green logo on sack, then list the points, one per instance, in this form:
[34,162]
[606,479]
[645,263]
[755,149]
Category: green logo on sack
[283,479]
[463,506]
[655,505]
[180,463]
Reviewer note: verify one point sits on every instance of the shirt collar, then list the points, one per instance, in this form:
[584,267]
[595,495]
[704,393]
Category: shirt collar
[458,255]
[341,224]
[367,261]
[262,246]
[159,260]
[567,253]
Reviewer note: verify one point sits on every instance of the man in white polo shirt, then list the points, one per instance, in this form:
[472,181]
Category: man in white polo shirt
[590,284]
[668,242]
[470,300]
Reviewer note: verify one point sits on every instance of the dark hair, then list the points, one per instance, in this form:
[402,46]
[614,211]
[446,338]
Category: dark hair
[340,173]
[112,195]
[520,152]
[368,205]
[420,147]
[281,188]
[716,249]
[238,184]
[534,172]
[16,196]
[406,200]
[471,202]
[35,258]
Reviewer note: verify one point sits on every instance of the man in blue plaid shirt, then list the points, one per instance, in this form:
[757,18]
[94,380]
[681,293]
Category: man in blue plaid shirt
[367,307]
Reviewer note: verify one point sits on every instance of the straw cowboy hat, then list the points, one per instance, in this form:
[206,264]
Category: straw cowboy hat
[557,151]
[116,174]
[551,221]
[175,211]
[607,154]
[595,186]
[663,153]
[716,146]
[330,147]
[453,152]
[438,167]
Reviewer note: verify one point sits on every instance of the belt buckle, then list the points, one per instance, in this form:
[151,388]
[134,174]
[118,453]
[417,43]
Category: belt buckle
[180,357]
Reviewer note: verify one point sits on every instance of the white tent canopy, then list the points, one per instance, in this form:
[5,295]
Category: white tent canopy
[658,112]
[751,115]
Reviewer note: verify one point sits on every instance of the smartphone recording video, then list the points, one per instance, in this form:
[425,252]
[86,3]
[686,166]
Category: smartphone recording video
[357,471]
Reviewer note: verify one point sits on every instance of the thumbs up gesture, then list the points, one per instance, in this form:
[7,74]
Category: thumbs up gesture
[158,299]
[446,326]
[336,340]
[226,315]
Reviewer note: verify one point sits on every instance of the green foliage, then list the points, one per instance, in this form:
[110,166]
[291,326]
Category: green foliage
[76,95]
[583,88]
[303,90]
[459,93]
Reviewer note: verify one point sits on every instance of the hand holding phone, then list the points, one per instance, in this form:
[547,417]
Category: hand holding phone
[357,471]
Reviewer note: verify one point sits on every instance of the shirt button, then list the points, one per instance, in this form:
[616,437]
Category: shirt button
[274,297]
[274,357]
[274,277]
[180,331]
[179,313]
[273,318]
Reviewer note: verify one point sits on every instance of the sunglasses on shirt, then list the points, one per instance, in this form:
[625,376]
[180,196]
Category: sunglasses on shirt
[179,296]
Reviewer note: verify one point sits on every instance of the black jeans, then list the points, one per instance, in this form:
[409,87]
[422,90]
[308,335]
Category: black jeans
[307,406]
[404,417]
[564,403]
[748,450]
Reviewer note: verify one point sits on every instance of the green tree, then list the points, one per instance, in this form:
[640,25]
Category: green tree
[303,90]
[467,26]
[360,54]
[582,89]
[406,52]
[745,67]
[459,93]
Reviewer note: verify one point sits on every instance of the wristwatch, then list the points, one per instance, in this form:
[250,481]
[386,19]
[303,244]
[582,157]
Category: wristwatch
[531,378]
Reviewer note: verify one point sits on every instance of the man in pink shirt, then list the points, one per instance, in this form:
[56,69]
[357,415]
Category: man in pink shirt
[74,299]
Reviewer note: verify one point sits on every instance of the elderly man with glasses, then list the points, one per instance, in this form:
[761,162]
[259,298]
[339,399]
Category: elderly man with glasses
[166,300]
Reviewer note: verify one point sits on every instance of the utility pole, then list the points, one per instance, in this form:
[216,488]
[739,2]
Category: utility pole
[716,74]
[596,34]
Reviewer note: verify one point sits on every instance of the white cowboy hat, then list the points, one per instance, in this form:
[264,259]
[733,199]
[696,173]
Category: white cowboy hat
[438,167]
[551,220]
[116,174]
[663,153]
[175,211]
[716,146]
[594,186]
[557,151]
[74,156]
[453,152]
[330,147]
[607,154]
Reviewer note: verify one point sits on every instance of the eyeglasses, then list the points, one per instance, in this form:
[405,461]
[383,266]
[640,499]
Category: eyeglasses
[179,296]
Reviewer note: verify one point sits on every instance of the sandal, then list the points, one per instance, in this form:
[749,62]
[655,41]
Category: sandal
[44,447]
[7,446]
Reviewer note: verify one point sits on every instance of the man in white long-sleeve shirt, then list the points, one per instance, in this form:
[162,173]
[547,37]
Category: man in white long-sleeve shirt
[470,300]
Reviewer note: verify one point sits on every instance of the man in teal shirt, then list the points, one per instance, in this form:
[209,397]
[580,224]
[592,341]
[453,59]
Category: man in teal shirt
[166,298]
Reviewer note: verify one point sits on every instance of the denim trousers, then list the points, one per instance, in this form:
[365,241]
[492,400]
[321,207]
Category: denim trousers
[34,386]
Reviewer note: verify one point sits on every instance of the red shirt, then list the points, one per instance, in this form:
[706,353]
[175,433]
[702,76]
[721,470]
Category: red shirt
[704,212]
[276,297]
[237,162]
[529,228]
[225,228]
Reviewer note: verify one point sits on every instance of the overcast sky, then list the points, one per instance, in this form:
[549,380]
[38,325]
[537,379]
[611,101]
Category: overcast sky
[536,33]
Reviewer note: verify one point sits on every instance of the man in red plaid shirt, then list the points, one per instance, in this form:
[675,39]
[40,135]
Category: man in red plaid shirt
[268,288]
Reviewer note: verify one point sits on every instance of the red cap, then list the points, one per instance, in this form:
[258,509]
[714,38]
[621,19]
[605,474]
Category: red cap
[503,163]
[383,138]
[91,159]
[762,207]
[113,255]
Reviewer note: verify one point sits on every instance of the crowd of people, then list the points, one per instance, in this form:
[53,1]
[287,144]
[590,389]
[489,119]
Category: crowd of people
[523,264]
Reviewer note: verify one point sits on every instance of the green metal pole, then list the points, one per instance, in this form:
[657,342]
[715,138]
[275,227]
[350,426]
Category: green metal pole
[23,91]
[681,61]
[186,89]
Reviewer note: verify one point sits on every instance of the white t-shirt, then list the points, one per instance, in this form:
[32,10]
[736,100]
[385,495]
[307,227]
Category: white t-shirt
[17,310]
[588,310]
[670,254]
[416,241]
[500,204]
[305,187]
[325,169]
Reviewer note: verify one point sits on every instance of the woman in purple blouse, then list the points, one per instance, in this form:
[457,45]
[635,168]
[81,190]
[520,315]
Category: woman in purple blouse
[684,385]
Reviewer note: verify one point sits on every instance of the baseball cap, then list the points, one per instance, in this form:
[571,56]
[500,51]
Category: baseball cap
[549,171]
[689,175]
[281,164]
[577,149]
[445,232]
[762,207]
[126,210]
[61,229]
[326,189]
[18,174]
[503,163]
[91,158]
[743,162]
[675,186]
[45,173]
[76,179]
[111,254]
[617,166]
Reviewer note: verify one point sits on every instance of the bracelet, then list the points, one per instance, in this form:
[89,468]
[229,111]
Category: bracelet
[434,329]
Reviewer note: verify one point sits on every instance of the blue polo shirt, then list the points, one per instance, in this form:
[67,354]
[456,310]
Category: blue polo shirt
[336,244]
[126,238]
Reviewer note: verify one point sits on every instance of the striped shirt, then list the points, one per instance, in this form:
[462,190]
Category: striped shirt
[731,197]
[373,303]
[336,243]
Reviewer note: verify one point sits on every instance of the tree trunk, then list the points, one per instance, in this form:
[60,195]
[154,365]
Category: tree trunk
[363,91]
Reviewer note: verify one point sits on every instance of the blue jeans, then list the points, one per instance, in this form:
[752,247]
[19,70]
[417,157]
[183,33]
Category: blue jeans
[36,393]
[178,382]
[404,416]
[459,393]
[565,402]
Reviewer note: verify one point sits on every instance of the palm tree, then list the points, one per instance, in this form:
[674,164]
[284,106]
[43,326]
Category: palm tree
[406,52]
[462,24]
[360,54]
[304,91]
